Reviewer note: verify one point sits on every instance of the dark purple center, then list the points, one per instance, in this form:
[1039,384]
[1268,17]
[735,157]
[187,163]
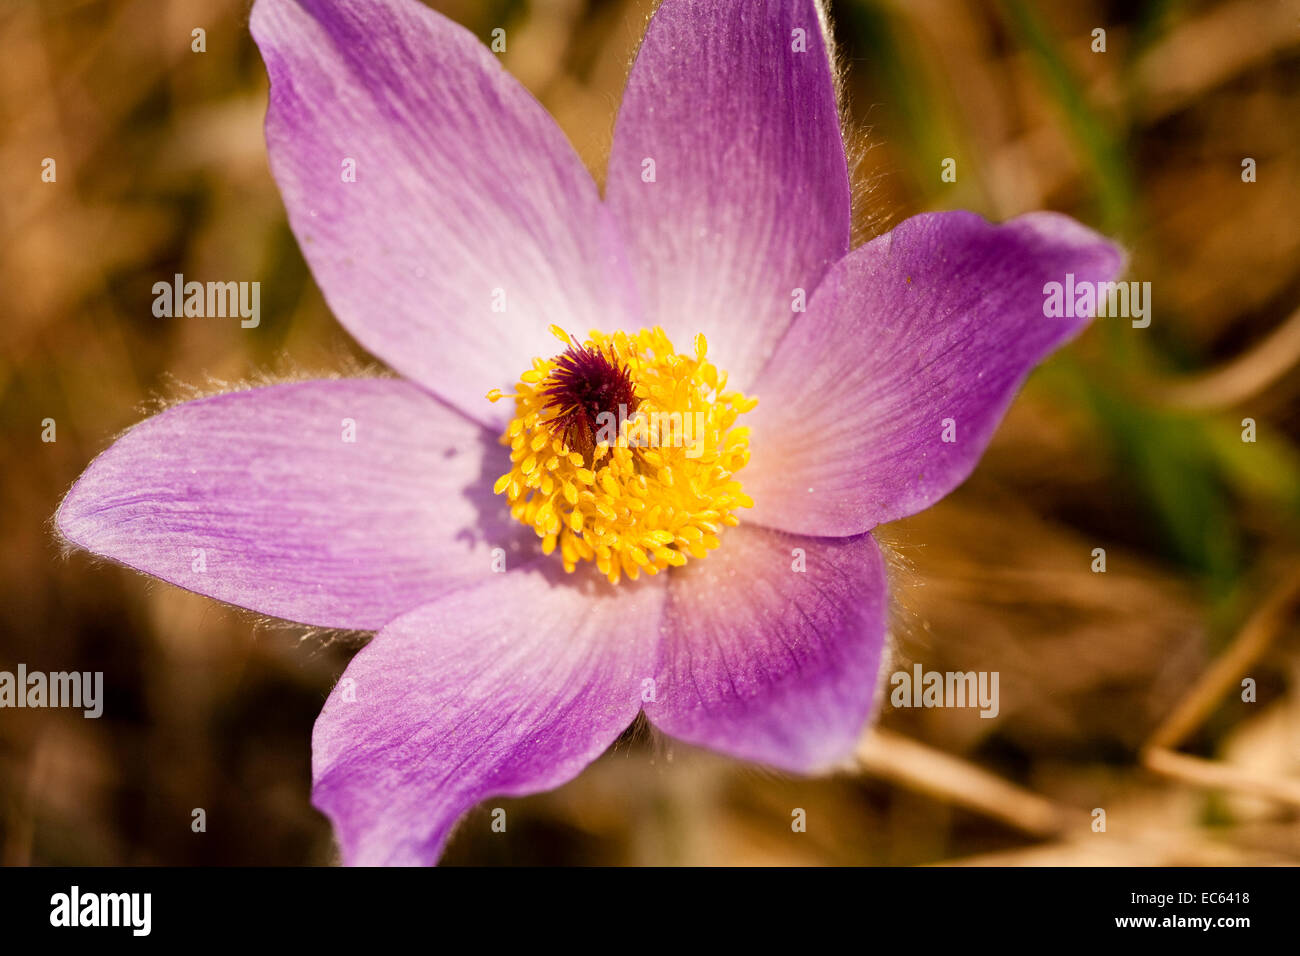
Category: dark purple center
[584,384]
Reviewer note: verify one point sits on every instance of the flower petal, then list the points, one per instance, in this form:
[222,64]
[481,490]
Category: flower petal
[504,689]
[258,498]
[734,102]
[768,663]
[466,195]
[942,318]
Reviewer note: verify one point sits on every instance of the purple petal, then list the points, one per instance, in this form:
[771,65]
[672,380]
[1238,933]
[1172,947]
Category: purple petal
[257,499]
[751,194]
[768,663]
[503,689]
[941,319]
[465,190]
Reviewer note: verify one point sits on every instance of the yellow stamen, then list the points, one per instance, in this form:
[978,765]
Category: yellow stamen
[630,490]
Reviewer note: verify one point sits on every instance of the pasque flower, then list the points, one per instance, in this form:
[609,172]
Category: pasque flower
[639,443]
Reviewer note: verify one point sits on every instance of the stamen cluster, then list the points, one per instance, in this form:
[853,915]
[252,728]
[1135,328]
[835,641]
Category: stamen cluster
[624,452]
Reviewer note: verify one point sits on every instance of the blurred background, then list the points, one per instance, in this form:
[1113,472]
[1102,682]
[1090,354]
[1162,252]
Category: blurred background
[1120,691]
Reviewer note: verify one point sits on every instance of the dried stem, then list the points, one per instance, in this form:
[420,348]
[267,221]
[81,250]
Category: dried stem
[918,767]
[1234,382]
[1259,631]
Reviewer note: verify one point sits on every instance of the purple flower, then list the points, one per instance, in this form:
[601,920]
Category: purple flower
[468,237]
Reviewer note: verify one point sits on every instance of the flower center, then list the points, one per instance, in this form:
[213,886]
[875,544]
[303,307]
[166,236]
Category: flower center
[624,452]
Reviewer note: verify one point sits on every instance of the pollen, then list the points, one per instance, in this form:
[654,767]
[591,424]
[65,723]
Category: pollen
[624,452]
